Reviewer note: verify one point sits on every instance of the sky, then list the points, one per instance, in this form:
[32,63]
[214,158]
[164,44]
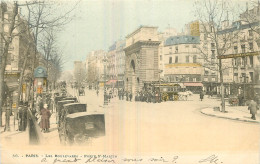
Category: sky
[99,23]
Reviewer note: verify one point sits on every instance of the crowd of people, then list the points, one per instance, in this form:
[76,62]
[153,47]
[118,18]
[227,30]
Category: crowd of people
[143,96]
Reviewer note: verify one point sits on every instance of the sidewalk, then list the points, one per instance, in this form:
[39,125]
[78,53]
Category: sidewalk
[13,136]
[239,113]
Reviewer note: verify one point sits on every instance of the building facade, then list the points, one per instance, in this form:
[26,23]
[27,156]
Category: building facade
[244,55]
[182,62]
[95,67]
[162,38]
[120,63]
[111,66]
[79,71]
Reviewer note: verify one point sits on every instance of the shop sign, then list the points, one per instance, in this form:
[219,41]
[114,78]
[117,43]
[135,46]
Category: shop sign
[24,88]
[14,105]
[39,90]
[239,55]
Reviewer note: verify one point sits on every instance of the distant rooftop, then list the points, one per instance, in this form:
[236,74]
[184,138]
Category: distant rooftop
[113,47]
[186,39]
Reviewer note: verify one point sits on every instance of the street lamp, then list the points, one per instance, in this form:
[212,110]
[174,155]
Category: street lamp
[160,71]
[105,97]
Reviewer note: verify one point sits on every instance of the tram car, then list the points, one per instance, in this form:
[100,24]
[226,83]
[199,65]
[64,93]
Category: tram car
[172,92]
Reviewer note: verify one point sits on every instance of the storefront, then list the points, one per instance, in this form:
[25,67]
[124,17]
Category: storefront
[194,87]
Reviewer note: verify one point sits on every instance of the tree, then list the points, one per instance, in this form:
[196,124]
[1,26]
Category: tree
[214,17]
[40,21]
[7,36]
[39,18]
[52,58]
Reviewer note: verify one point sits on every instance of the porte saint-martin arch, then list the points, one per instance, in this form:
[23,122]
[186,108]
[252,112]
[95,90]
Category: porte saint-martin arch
[141,58]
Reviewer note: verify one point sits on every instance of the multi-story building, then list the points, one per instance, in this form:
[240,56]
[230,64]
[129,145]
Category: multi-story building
[111,66]
[79,71]
[116,64]
[120,64]
[20,56]
[244,55]
[182,62]
[206,55]
[162,37]
[95,67]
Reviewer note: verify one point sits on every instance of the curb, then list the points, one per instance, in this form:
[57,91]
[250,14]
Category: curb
[236,119]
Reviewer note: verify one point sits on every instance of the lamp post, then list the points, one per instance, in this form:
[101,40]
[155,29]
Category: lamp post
[105,97]
[160,71]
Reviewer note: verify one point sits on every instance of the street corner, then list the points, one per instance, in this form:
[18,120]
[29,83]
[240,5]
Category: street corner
[230,113]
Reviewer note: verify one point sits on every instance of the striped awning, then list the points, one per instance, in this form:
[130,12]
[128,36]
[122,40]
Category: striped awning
[111,81]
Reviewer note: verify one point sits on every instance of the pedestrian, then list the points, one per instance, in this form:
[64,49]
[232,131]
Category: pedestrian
[130,96]
[240,100]
[45,118]
[201,95]
[126,96]
[7,115]
[20,116]
[120,95]
[24,116]
[253,107]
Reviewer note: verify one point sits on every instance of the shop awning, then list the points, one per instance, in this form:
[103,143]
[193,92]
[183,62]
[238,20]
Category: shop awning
[111,82]
[12,86]
[193,84]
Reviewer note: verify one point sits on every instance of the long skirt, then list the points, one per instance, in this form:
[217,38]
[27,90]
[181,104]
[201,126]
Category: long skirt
[45,124]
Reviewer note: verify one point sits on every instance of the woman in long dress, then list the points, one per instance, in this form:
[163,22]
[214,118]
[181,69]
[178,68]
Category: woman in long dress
[45,119]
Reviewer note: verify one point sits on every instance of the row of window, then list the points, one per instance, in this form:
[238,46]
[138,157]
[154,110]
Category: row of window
[243,48]
[207,79]
[243,61]
[187,59]
[172,78]
[244,77]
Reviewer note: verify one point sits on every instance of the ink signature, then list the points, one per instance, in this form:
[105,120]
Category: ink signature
[211,159]
[66,160]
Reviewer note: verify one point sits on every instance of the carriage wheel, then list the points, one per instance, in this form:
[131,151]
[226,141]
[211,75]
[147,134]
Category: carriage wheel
[80,139]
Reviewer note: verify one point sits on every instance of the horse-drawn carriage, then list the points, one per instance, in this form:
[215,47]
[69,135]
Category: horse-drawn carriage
[77,126]
[81,127]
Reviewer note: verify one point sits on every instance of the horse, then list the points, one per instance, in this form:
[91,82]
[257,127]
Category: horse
[184,95]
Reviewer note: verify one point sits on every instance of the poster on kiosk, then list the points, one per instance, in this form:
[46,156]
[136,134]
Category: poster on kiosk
[40,81]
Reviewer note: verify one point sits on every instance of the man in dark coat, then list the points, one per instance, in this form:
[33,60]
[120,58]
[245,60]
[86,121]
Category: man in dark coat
[240,99]
[45,119]
[7,115]
[126,96]
[201,95]
[130,96]
[253,108]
